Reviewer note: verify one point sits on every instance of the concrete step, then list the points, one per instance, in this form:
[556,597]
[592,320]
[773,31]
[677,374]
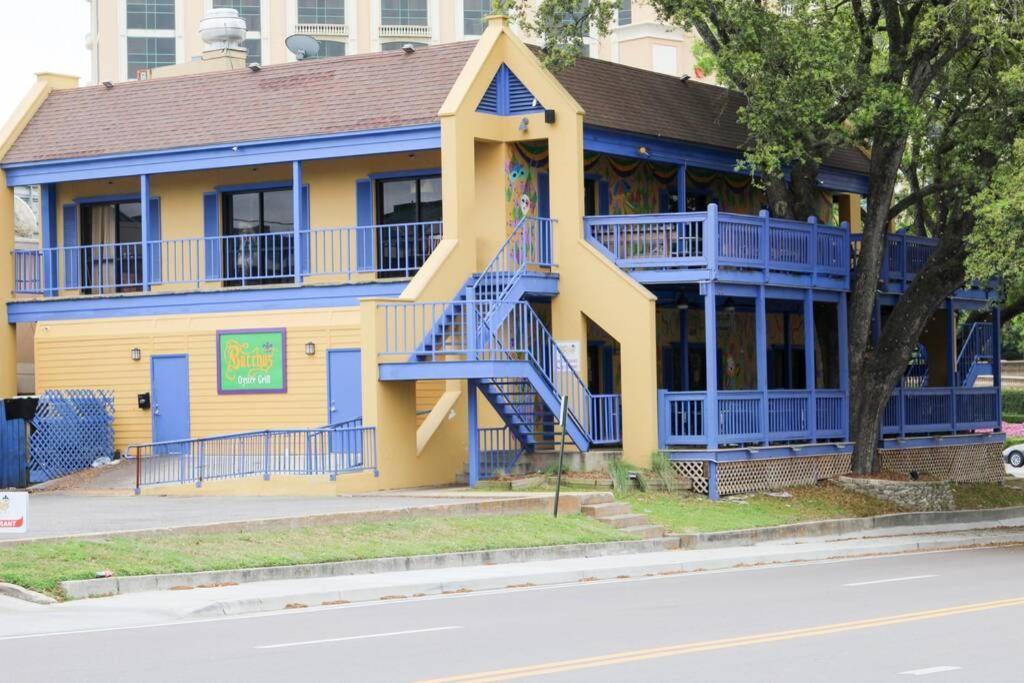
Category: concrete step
[596,498]
[623,521]
[603,510]
[645,530]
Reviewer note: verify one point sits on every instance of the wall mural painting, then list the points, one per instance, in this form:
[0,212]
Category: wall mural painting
[634,185]
[523,165]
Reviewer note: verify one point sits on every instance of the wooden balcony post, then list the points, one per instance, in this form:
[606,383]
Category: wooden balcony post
[711,366]
[997,373]
[711,240]
[844,364]
[761,328]
[147,223]
[51,259]
[765,234]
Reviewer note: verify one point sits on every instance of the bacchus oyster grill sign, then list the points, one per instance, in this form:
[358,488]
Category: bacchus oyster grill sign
[251,361]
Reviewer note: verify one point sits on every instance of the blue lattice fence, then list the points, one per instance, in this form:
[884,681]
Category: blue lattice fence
[71,429]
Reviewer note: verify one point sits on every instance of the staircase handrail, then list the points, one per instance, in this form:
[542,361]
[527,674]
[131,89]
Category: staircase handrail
[510,262]
[973,348]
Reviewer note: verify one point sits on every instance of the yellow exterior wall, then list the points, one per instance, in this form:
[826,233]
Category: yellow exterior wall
[95,354]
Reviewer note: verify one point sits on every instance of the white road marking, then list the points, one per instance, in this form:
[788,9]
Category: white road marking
[901,578]
[359,637]
[929,670]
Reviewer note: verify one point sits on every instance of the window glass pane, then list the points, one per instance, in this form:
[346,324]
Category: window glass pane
[403,12]
[398,44]
[332,48]
[398,201]
[247,9]
[245,213]
[255,49]
[146,53]
[277,211]
[430,199]
[150,14]
[129,222]
[321,11]
[473,14]
[626,13]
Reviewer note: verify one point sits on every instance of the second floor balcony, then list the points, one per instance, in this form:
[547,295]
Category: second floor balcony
[320,256]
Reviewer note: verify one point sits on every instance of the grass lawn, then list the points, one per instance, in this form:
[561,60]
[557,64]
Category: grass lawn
[42,565]
[685,513]
[979,496]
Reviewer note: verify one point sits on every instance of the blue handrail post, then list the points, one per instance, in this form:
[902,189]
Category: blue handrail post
[847,249]
[471,323]
[844,364]
[765,232]
[297,211]
[663,418]
[713,480]
[997,373]
[474,435]
[809,368]
[711,240]
[201,463]
[266,455]
[903,260]
[812,249]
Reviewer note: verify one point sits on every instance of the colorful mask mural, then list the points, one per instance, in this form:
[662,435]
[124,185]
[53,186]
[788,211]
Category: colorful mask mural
[522,171]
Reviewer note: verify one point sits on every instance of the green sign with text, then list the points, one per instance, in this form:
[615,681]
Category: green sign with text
[251,362]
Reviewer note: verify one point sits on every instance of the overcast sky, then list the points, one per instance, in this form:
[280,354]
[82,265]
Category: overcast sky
[40,35]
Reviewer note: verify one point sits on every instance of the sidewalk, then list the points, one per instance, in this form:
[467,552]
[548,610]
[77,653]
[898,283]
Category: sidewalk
[156,607]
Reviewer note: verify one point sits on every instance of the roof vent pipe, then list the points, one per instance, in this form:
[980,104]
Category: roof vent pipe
[222,29]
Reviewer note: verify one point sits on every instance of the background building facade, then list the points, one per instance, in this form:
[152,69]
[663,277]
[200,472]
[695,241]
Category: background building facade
[129,36]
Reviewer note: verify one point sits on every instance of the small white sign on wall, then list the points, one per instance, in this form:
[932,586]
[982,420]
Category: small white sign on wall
[571,350]
[13,512]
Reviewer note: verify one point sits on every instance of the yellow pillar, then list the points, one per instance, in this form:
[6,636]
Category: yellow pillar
[849,211]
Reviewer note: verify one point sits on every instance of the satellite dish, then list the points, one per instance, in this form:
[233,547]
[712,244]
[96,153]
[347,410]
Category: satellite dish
[302,46]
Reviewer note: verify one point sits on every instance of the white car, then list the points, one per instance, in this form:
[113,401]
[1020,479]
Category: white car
[1014,455]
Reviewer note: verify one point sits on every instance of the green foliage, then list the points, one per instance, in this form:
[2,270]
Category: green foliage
[561,25]
[619,473]
[1013,401]
[661,467]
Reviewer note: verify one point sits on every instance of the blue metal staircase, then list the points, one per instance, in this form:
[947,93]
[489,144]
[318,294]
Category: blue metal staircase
[976,353]
[490,335]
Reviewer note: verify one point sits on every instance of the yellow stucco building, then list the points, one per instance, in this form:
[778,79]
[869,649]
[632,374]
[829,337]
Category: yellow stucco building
[389,269]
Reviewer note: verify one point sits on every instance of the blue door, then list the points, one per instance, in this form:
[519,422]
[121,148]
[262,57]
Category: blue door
[345,402]
[344,385]
[170,398]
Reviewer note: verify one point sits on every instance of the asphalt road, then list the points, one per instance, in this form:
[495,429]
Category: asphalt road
[953,616]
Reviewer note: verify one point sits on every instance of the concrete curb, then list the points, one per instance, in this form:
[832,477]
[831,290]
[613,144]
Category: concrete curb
[17,592]
[291,596]
[835,527]
[507,505]
[119,585]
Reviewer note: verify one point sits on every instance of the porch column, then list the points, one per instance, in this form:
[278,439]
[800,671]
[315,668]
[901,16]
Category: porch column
[844,364]
[146,229]
[297,221]
[51,253]
[809,370]
[997,373]
[684,347]
[474,434]
[952,381]
[761,327]
[681,187]
[787,341]
[711,366]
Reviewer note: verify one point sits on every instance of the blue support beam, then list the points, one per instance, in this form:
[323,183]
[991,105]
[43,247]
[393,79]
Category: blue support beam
[844,362]
[997,359]
[810,373]
[711,365]
[474,435]
[297,210]
[761,334]
[147,223]
[48,219]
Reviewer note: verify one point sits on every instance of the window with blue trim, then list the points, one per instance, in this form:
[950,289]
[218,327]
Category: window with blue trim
[403,12]
[473,13]
[321,12]
[400,202]
[150,14]
[258,228]
[111,252]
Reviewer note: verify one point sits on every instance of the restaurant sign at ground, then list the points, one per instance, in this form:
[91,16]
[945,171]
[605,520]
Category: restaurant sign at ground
[251,362]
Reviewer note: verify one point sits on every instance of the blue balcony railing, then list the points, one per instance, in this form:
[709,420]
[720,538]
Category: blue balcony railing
[713,241]
[332,254]
[941,410]
[744,419]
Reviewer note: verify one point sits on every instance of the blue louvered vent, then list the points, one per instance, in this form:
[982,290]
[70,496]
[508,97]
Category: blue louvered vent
[507,96]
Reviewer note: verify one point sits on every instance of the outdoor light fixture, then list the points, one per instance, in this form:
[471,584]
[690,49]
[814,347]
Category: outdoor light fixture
[683,305]
[408,48]
[549,116]
[310,348]
[524,125]
[643,151]
[108,85]
[254,67]
[684,78]
[136,354]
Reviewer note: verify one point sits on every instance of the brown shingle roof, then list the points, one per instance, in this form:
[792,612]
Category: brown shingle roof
[639,101]
[359,92]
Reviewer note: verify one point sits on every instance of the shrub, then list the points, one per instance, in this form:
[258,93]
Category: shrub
[1013,402]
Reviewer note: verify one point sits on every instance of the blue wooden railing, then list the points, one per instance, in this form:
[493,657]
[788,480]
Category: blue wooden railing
[713,240]
[975,350]
[682,417]
[499,450]
[941,410]
[384,251]
[331,450]
[904,256]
